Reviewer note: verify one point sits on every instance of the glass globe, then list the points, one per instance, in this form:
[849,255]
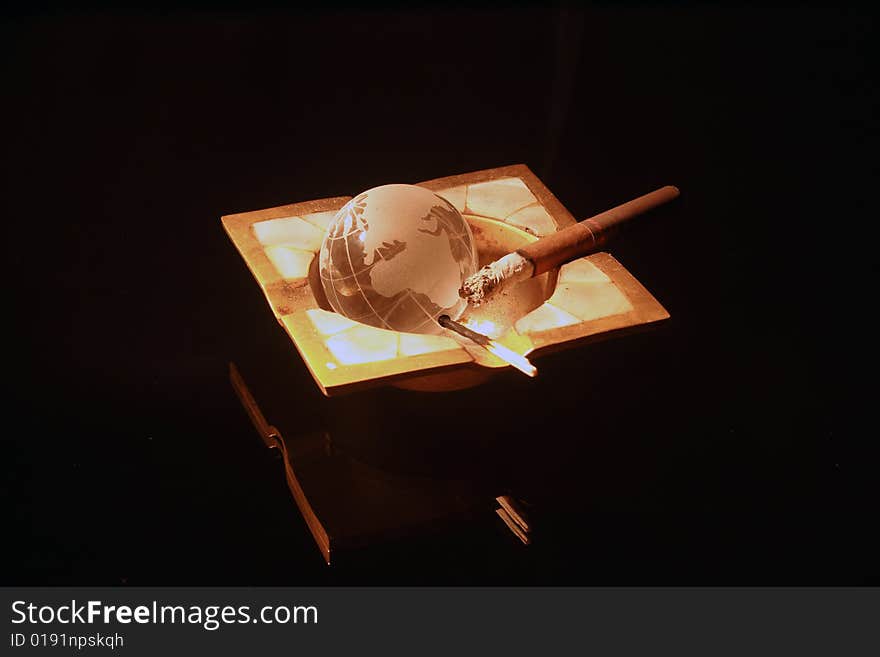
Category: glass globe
[395,257]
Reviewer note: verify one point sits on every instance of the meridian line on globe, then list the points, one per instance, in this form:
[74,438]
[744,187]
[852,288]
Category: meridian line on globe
[361,290]
[427,321]
[407,250]
[431,316]
[396,304]
[332,282]
[332,286]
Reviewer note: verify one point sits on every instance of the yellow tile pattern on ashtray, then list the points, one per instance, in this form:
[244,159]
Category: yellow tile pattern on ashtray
[329,323]
[583,293]
[290,244]
[363,344]
[543,318]
[412,344]
[294,232]
[533,219]
[485,326]
[352,342]
[455,195]
[498,198]
[321,219]
[589,301]
[290,263]
[582,271]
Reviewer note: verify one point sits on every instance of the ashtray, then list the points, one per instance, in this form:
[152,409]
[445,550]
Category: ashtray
[587,299]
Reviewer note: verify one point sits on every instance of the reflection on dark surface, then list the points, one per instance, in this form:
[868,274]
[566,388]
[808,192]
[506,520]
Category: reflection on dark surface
[358,504]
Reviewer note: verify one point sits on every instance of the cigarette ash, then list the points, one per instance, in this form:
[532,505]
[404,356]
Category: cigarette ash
[488,280]
[476,287]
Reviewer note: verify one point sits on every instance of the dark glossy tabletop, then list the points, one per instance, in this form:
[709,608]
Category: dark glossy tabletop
[713,450]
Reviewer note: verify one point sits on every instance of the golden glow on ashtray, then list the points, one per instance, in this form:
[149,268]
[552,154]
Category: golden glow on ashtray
[329,323]
[414,344]
[508,200]
[289,231]
[291,263]
[492,330]
[499,198]
[363,344]
[544,318]
[291,243]
[484,326]
[583,293]
[353,343]
[511,357]
[279,245]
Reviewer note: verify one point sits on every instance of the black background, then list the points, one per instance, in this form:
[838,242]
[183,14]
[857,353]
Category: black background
[720,449]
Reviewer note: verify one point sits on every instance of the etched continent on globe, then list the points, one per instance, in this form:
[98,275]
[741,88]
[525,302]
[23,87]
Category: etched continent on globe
[395,257]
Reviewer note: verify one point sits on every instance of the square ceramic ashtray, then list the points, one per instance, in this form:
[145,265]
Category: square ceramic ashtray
[587,299]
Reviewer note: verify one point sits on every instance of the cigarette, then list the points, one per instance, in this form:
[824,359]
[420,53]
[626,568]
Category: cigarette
[568,244]
[511,268]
